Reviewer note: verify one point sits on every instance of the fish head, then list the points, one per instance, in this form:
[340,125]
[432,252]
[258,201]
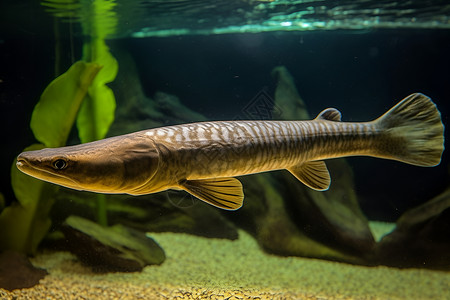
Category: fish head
[107,166]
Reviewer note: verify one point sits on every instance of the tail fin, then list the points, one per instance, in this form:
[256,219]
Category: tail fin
[413,131]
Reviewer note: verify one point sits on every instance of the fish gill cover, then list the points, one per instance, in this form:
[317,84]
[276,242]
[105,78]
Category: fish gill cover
[180,17]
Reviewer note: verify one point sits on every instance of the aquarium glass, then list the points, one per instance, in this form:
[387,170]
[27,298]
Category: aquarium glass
[227,149]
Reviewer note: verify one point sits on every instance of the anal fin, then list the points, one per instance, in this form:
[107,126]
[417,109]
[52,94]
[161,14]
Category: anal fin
[225,193]
[314,174]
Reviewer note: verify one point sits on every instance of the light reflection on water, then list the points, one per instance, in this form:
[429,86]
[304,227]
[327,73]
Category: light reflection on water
[136,18]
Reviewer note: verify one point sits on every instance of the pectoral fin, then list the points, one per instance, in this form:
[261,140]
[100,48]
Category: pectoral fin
[314,174]
[225,193]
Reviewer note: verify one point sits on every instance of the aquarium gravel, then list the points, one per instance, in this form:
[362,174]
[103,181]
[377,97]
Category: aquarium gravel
[201,268]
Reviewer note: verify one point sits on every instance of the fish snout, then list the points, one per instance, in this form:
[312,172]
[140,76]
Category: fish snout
[21,161]
[24,160]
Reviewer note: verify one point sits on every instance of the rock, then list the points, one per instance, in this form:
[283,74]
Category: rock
[181,213]
[113,249]
[135,111]
[174,111]
[172,211]
[421,238]
[380,229]
[289,218]
[16,271]
[337,218]
[334,216]
[269,217]
[289,104]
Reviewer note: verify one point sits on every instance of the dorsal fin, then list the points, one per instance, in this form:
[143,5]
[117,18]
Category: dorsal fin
[329,114]
[314,174]
[225,193]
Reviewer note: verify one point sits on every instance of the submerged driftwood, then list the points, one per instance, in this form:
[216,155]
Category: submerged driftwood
[110,249]
[17,272]
[288,218]
[421,237]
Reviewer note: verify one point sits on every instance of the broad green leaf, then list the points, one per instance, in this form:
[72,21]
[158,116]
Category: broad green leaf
[55,113]
[25,223]
[96,114]
[97,51]
[97,111]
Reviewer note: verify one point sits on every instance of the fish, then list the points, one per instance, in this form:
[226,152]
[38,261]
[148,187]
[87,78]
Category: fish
[205,158]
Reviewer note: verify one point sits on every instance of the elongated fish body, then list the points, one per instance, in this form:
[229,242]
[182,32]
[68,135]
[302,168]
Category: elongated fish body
[203,158]
[228,149]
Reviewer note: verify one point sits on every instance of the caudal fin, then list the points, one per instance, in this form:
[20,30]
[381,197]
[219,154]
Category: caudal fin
[413,132]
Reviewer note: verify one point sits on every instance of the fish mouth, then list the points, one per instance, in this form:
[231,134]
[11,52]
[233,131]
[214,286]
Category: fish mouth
[23,165]
[45,175]
[20,163]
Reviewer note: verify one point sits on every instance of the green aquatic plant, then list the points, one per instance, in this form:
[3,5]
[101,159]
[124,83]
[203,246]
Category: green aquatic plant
[79,94]
[25,223]
[98,21]
[97,111]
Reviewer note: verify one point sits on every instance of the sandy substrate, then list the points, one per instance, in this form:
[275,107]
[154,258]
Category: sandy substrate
[200,268]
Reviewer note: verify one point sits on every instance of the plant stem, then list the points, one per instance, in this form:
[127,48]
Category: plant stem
[102,217]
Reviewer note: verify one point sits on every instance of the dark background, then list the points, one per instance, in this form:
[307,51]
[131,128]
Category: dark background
[361,74]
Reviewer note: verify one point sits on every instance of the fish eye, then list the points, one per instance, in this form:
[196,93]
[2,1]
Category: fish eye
[59,164]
